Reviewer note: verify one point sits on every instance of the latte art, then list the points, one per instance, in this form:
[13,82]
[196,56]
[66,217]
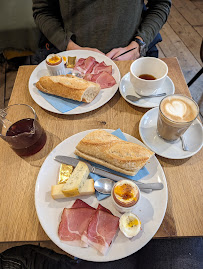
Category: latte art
[176,108]
[180,109]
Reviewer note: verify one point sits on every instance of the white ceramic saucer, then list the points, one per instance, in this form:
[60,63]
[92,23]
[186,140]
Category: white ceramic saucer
[148,132]
[126,88]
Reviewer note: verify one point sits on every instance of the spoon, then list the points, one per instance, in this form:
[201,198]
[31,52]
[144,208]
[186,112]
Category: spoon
[105,185]
[134,98]
[184,145]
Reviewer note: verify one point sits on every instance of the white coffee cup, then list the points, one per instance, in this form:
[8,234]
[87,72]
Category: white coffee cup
[150,66]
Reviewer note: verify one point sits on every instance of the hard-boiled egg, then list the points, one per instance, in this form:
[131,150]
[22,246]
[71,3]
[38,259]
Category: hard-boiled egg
[129,224]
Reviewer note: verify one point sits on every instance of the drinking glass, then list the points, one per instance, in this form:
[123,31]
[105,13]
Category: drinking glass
[20,128]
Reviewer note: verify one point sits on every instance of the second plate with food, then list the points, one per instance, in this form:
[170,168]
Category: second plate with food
[151,209]
[126,88]
[103,97]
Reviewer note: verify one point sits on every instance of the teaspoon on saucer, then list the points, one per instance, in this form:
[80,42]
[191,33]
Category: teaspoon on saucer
[134,98]
[184,145]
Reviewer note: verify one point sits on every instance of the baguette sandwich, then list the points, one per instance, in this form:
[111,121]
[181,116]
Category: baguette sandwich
[110,151]
[69,86]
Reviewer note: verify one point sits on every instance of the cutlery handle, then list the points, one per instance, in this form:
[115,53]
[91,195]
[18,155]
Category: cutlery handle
[146,190]
[103,173]
[154,95]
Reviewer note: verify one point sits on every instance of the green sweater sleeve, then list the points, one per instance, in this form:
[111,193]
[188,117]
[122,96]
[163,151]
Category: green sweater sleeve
[47,16]
[155,17]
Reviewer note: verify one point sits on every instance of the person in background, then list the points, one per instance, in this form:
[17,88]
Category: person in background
[108,27]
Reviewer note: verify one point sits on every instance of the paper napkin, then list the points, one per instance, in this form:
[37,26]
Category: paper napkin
[142,172]
[61,104]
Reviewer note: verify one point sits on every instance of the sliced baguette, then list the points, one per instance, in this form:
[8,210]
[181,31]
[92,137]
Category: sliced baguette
[77,180]
[87,189]
[110,151]
[69,86]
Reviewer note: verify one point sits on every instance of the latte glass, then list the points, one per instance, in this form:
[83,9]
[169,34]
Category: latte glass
[176,114]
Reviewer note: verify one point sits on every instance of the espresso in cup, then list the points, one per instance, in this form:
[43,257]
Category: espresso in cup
[176,114]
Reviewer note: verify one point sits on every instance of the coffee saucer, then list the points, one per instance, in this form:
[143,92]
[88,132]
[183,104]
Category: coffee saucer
[126,88]
[171,150]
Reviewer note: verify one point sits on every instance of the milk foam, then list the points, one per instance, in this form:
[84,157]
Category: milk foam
[176,108]
[179,108]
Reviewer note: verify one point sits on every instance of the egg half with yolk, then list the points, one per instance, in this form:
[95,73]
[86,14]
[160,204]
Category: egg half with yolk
[129,224]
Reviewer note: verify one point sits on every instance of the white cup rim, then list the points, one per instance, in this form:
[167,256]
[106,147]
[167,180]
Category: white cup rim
[145,58]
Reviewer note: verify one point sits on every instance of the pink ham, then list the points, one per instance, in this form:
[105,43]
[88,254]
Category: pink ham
[101,231]
[101,207]
[85,66]
[100,67]
[81,204]
[104,79]
[74,221]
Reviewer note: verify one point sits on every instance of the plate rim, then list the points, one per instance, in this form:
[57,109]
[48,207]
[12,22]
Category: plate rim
[71,112]
[162,155]
[137,105]
[163,209]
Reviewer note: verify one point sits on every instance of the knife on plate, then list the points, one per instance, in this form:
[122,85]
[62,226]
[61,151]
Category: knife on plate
[73,161]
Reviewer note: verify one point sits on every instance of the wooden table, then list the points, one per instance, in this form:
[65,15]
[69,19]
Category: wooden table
[19,222]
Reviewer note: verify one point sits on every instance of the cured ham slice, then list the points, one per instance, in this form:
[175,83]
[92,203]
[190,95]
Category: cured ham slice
[101,207]
[101,67]
[101,231]
[74,221]
[85,66]
[81,204]
[104,79]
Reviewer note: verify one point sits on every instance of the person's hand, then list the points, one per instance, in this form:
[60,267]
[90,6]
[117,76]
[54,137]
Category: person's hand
[132,55]
[73,46]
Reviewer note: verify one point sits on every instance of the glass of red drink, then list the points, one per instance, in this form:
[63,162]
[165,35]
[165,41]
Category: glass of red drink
[20,128]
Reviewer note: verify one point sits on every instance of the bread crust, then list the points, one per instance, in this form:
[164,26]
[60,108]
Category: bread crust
[110,151]
[70,87]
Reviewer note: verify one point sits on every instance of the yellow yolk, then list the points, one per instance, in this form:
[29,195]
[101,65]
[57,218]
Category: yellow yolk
[125,191]
[54,59]
[133,223]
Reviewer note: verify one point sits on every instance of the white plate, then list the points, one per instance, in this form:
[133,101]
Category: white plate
[151,209]
[126,88]
[148,132]
[103,97]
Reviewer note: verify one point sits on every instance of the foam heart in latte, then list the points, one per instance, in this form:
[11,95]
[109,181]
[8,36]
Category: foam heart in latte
[179,108]
[176,108]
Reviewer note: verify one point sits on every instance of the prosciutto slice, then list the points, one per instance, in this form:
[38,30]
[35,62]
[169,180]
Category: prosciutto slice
[85,66]
[101,231]
[101,207]
[104,79]
[74,221]
[101,67]
[81,204]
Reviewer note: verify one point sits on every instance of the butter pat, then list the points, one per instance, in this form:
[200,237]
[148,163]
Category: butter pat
[71,62]
[87,189]
[64,173]
[77,180]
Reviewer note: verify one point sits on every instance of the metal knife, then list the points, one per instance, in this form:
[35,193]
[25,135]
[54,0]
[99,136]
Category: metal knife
[73,161]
